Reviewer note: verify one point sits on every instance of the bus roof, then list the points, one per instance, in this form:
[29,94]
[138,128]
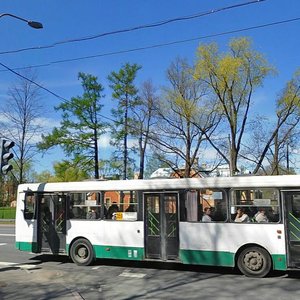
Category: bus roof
[283,181]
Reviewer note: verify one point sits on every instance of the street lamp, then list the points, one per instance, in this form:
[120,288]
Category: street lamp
[33,24]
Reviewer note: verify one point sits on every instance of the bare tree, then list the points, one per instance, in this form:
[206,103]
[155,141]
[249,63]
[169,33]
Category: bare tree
[273,144]
[19,121]
[143,120]
[182,110]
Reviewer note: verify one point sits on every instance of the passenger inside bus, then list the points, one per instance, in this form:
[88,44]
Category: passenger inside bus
[261,216]
[91,214]
[207,215]
[130,208]
[111,210]
[241,216]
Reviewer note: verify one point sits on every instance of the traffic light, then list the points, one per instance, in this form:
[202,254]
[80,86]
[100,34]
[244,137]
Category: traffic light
[5,156]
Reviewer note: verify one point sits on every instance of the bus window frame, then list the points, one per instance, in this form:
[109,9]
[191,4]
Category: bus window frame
[35,205]
[236,206]
[200,200]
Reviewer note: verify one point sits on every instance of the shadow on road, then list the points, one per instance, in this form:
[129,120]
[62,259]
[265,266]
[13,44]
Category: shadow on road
[40,259]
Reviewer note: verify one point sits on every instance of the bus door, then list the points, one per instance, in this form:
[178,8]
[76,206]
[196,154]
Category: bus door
[161,226]
[292,219]
[52,223]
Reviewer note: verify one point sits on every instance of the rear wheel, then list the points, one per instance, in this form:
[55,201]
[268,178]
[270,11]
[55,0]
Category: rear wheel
[82,252]
[254,262]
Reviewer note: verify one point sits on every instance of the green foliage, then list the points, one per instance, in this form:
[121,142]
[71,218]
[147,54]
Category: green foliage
[231,79]
[7,212]
[80,125]
[125,92]
[291,94]
[44,176]
[68,171]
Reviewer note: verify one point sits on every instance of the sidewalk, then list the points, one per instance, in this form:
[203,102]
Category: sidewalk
[7,221]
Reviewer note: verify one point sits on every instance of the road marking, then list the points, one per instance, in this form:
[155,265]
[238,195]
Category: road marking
[133,275]
[7,234]
[7,264]
[3,244]
[18,265]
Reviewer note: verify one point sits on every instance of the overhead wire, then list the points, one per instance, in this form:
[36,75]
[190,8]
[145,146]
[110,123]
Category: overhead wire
[138,49]
[32,81]
[157,45]
[145,26]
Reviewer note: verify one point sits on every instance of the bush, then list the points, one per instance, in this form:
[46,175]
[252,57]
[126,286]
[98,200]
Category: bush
[7,212]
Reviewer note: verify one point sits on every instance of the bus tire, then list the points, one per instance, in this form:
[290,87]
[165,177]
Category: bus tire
[254,262]
[82,252]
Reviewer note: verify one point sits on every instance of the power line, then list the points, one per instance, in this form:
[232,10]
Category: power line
[33,82]
[146,26]
[158,45]
[49,91]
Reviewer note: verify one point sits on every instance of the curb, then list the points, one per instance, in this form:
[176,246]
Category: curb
[7,221]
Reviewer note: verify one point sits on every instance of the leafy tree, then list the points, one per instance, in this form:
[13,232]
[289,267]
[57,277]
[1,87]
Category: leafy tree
[231,78]
[126,94]
[44,176]
[68,171]
[81,126]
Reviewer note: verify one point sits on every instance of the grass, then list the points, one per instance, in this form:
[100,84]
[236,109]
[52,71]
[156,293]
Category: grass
[7,212]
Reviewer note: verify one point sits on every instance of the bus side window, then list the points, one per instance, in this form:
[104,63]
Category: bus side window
[29,209]
[261,204]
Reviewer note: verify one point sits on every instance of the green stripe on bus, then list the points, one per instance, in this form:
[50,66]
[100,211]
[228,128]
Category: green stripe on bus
[223,259]
[26,246]
[279,262]
[207,258]
[117,252]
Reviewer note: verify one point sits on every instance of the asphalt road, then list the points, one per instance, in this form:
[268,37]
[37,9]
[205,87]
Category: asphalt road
[30,276]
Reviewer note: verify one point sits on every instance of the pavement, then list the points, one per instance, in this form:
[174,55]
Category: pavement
[7,221]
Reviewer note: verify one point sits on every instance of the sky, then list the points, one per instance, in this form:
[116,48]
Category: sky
[57,60]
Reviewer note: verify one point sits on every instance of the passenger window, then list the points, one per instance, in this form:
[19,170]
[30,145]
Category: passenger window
[121,205]
[255,205]
[85,206]
[204,205]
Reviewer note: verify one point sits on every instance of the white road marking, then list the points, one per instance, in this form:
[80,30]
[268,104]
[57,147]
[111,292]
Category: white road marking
[18,265]
[132,275]
[7,264]
[3,244]
[7,234]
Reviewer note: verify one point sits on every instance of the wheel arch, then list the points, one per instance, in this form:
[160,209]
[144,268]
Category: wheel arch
[243,247]
[74,240]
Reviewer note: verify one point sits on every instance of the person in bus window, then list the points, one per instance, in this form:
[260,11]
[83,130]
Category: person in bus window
[241,216]
[91,214]
[112,210]
[260,216]
[206,215]
[130,208]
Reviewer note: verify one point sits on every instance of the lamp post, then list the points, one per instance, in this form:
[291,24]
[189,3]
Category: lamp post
[33,24]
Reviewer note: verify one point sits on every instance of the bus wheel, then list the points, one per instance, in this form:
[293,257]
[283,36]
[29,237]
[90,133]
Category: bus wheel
[254,262]
[82,252]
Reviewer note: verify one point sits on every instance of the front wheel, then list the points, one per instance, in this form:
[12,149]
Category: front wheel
[82,252]
[254,262]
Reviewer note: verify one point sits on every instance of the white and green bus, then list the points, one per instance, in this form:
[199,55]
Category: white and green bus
[161,220]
